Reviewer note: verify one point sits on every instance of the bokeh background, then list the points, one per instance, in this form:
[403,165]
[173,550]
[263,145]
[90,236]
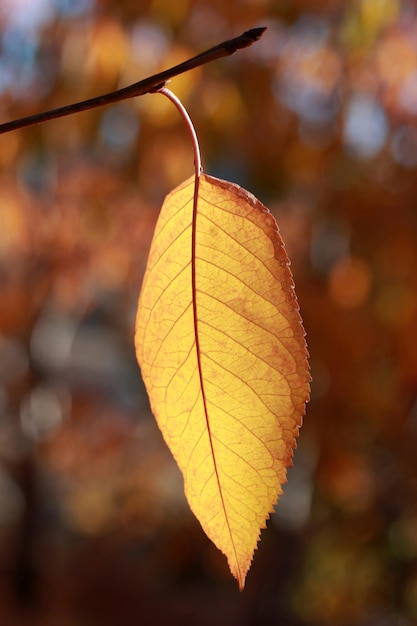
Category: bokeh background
[319,120]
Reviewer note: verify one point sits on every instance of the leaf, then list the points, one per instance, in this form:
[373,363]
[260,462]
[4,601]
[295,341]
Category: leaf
[221,347]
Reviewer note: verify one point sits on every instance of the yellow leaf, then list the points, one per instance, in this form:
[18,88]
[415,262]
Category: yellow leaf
[221,347]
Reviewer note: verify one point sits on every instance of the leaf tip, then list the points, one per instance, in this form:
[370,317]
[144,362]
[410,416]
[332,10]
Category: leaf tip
[240,575]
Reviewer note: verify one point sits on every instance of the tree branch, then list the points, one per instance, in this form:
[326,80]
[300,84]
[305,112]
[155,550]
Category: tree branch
[153,83]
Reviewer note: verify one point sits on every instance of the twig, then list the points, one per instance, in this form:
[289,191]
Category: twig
[152,83]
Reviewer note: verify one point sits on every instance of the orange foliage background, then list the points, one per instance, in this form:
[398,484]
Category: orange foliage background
[318,119]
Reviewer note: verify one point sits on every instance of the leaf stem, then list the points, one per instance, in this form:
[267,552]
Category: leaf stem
[190,127]
[147,85]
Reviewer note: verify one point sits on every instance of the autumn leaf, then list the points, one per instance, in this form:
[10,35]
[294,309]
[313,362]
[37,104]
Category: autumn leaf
[222,351]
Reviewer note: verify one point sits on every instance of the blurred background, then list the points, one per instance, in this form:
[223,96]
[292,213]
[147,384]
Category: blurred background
[319,120]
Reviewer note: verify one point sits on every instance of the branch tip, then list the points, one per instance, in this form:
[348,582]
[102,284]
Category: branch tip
[254,34]
[243,41]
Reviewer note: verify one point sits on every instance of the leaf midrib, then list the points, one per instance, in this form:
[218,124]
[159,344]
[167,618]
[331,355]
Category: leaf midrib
[198,355]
